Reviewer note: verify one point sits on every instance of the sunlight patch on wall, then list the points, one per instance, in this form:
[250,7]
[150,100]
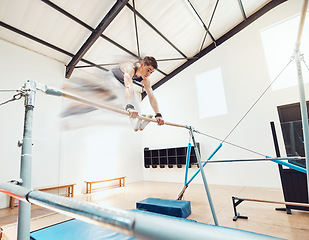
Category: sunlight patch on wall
[210,93]
[279,44]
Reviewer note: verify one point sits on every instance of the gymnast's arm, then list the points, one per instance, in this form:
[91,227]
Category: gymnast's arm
[153,101]
[128,70]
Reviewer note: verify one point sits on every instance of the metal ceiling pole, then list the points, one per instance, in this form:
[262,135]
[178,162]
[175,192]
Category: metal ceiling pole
[110,16]
[24,211]
[303,105]
[269,6]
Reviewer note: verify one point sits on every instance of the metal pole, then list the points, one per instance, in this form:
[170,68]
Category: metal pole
[187,162]
[24,211]
[303,105]
[137,223]
[303,108]
[204,179]
[205,162]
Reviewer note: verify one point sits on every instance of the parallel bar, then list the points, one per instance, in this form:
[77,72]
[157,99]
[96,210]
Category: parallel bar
[118,6]
[275,202]
[141,225]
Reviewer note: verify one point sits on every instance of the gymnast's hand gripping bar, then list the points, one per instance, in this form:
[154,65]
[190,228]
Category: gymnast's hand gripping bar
[51,91]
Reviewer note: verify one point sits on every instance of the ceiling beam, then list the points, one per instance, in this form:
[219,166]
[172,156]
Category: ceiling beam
[155,29]
[110,16]
[47,44]
[269,6]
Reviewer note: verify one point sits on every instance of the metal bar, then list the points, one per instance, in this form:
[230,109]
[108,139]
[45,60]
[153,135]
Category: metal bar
[27,35]
[92,30]
[201,20]
[204,179]
[136,32]
[297,168]
[293,166]
[156,30]
[118,6]
[187,162]
[197,172]
[302,22]
[139,224]
[24,211]
[242,9]
[255,159]
[55,92]
[225,37]
[275,202]
[302,95]
[59,9]
[210,21]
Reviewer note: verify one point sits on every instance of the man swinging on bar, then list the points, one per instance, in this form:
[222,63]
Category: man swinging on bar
[115,88]
[125,74]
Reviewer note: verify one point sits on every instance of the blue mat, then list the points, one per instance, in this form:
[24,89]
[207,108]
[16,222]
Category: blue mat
[76,229]
[176,208]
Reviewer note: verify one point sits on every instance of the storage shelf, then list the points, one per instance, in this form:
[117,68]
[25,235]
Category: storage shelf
[170,157]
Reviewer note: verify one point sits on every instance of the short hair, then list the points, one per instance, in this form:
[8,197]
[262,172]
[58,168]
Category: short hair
[150,61]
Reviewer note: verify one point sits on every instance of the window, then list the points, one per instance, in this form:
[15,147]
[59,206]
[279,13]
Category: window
[210,94]
[279,43]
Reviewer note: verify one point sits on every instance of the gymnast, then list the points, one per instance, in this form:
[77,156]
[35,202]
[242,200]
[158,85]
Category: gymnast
[125,74]
[116,89]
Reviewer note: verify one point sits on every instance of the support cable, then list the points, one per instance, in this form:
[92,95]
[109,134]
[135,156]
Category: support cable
[292,58]
[232,144]
[14,98]
[303,59]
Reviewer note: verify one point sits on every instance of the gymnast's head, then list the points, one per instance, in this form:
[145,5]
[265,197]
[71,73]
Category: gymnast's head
[150,61]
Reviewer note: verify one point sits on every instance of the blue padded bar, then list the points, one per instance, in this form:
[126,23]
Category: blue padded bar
[76,229]
[176,208]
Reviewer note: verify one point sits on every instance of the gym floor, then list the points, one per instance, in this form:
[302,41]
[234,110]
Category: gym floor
[263,218]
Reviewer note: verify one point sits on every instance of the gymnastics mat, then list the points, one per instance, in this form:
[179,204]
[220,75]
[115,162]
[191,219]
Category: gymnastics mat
[176,208]
[76,229]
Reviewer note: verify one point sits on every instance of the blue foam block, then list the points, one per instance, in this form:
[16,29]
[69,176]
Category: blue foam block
[176,208]
[76,229]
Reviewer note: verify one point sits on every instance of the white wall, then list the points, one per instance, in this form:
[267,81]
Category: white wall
[101,151]
[59,156]
[245,77]
[17,66]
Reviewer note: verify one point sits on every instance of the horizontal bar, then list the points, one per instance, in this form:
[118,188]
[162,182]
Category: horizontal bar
[51,91]
[275,202]
[276,160]
[139,224]
[255,159]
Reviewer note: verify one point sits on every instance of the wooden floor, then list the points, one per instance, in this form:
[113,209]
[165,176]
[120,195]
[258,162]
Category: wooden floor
[263,218]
